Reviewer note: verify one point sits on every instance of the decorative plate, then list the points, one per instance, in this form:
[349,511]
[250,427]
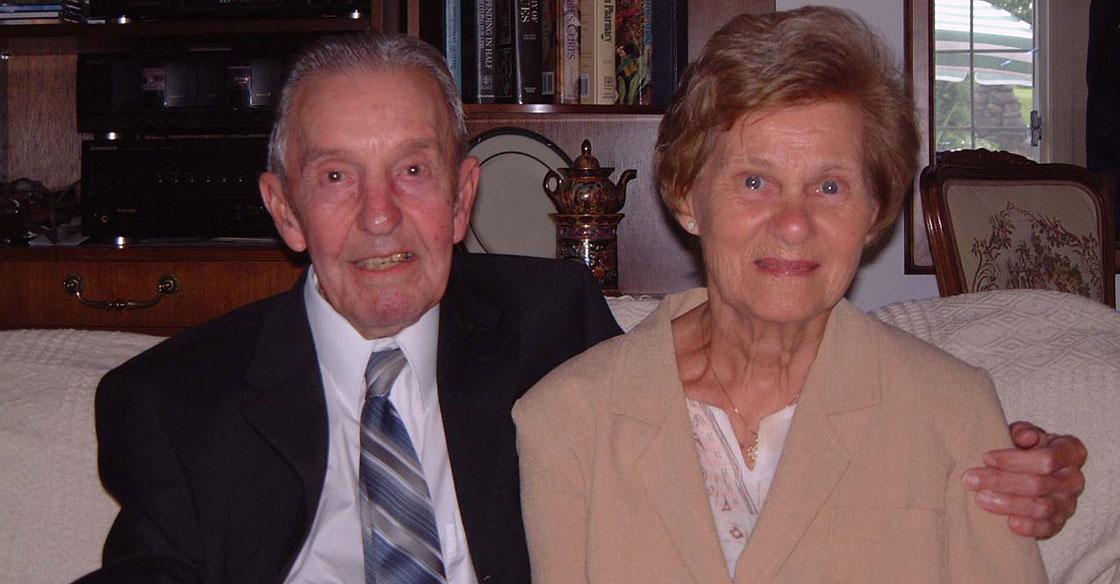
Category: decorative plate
[511,209]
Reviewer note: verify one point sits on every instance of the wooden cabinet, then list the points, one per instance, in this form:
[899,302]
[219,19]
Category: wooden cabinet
[113,285]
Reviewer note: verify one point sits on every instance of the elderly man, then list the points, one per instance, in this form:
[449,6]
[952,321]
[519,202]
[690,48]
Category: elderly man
[357,428]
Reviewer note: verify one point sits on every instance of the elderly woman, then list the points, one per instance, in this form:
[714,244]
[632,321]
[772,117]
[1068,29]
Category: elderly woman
[764,429]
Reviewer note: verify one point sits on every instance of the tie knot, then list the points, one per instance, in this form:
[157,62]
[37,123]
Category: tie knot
[382,370]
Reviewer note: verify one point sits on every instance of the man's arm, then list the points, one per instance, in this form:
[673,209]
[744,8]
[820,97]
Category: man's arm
[1036,484]
[138,467]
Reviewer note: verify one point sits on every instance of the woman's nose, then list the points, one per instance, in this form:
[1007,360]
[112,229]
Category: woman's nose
[792,223]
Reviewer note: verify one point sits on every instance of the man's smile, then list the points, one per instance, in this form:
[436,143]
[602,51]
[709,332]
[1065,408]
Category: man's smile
[384,262]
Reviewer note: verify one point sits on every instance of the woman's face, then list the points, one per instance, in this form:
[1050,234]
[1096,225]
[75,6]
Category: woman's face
[783,210]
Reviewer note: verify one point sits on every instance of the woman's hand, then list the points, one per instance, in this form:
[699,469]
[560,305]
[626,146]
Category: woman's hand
[1035,484]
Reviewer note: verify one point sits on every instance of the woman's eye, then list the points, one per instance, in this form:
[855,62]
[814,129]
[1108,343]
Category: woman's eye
[335,176]
[830,187]
[414,170]
[754,182]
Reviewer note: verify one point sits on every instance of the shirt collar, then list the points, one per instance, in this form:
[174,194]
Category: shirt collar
[343,352]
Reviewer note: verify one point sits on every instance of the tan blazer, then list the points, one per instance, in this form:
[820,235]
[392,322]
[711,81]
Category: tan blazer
[868,488]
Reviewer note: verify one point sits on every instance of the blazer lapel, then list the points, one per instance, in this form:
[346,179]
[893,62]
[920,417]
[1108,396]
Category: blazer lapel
[668,466]
[290,411]
[834,405]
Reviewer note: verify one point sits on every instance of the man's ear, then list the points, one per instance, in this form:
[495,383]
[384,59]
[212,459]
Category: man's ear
[283,215]
[464,198]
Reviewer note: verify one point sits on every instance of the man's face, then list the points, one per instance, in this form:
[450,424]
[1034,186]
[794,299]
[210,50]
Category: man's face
[375,194]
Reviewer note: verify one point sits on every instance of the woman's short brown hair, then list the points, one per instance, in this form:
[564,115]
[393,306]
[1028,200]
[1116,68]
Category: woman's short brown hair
[799,57]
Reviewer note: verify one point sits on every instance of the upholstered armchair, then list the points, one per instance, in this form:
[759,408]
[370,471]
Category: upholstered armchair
[997,220]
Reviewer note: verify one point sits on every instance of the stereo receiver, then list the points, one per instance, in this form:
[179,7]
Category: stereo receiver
[185,187]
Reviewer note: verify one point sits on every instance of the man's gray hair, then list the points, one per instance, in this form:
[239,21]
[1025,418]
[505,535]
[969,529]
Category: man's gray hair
[362,52]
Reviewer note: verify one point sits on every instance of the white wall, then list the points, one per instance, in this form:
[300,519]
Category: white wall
[881,280]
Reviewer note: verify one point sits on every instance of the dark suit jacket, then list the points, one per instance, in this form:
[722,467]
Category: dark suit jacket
[215,441]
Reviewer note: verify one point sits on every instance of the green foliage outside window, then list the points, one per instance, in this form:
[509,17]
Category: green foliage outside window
[1024,9]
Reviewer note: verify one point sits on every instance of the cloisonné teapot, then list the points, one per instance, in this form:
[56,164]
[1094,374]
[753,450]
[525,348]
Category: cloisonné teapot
[586,188]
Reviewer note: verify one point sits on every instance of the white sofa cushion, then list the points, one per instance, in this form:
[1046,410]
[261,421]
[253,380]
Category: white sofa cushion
[53,512]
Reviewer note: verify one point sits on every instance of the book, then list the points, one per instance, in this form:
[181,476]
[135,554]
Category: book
[525,31]
[549,54]
[453,40]
[503,61]
[633,40]
[597,51]
[15,21]
[670,49]
[567,67]
[603,52]
[18,8]
[587,86]
[37,14]
[479,53]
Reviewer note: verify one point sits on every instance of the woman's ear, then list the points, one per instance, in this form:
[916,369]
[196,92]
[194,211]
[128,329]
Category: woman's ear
[686,216]
[873,234]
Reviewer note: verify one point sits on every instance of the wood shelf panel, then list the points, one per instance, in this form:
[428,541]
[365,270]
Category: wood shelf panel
[490,110]
[67,37]
[214,280]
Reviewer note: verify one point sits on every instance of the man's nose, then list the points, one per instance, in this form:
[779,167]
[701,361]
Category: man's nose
[380,212]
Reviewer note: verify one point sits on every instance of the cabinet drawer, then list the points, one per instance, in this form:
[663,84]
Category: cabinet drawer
[119,290]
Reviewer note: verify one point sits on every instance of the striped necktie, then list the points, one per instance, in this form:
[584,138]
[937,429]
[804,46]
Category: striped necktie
[399,537]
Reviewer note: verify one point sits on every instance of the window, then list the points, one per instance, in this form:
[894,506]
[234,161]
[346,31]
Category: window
[985,81]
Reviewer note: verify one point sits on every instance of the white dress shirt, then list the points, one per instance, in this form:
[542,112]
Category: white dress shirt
[333,552]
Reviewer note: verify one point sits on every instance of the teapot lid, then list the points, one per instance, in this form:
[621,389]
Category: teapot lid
[585,161]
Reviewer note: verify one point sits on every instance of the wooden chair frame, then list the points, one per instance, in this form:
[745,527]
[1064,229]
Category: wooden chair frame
[985,165]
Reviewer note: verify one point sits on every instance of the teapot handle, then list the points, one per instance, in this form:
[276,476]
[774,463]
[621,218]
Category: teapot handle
[551,184]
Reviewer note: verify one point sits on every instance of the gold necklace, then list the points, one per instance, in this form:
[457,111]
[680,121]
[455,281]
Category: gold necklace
[751,453]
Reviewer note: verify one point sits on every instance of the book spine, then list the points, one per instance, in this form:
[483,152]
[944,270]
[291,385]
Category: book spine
[631,66]
[433,18]
[479,50]
[550,57]
[588,87]
[567,73]
[670,49]
[526,32]
[453,40]
[603,65]
[645,94]
[504,61]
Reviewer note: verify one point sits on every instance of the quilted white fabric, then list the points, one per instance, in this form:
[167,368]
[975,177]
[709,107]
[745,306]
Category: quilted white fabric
[1055,360]
[53,512]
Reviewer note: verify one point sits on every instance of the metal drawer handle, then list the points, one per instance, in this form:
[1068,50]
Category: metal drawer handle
[75,285]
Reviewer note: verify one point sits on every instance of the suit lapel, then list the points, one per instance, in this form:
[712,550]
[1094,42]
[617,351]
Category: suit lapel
[668,466]
[290,411]
[478,379]
[835,403]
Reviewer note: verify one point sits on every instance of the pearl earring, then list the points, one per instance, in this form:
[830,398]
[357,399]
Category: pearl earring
[691,227]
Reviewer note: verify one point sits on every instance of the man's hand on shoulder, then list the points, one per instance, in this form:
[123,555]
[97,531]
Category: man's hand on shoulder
[1036,484]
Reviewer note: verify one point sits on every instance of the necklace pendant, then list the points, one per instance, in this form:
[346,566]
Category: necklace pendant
[752,454]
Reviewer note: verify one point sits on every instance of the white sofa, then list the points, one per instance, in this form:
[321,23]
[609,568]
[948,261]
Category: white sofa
[1055,359]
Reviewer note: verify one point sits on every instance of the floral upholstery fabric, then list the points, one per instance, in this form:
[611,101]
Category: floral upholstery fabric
[1041,236]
